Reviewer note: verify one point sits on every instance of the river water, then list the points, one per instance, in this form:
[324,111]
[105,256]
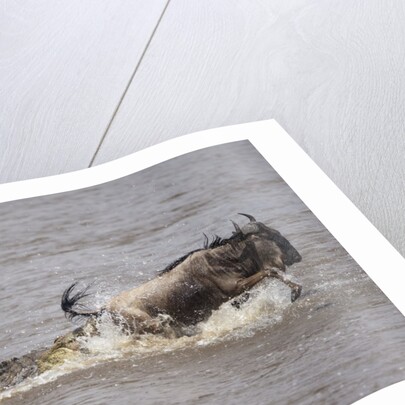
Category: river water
[340,341]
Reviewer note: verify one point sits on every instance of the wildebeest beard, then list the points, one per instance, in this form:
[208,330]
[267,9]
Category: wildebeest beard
[182,294]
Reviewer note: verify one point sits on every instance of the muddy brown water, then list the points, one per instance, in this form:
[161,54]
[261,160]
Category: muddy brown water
[340,341]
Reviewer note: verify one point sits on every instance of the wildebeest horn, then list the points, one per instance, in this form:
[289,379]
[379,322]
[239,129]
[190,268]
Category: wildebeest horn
[237,228]
[251,218]
[251,227]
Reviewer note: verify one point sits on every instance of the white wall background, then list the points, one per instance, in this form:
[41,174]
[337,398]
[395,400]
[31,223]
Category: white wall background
[82,83]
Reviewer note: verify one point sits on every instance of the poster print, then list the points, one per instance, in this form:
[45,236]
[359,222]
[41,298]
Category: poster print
[335,339]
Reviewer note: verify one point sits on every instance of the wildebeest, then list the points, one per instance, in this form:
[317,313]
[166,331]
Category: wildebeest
[184,293]
[190,288]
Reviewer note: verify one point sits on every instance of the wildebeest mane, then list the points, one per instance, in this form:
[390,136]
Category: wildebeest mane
[218,241]
[174,264]
[214,243]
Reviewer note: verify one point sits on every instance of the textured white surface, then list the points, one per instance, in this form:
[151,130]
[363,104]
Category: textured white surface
[63,68]
[330,72]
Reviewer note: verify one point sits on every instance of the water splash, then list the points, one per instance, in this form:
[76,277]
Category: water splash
[265,307]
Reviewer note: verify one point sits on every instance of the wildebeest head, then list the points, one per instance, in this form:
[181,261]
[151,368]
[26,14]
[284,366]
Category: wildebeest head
[254,229]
